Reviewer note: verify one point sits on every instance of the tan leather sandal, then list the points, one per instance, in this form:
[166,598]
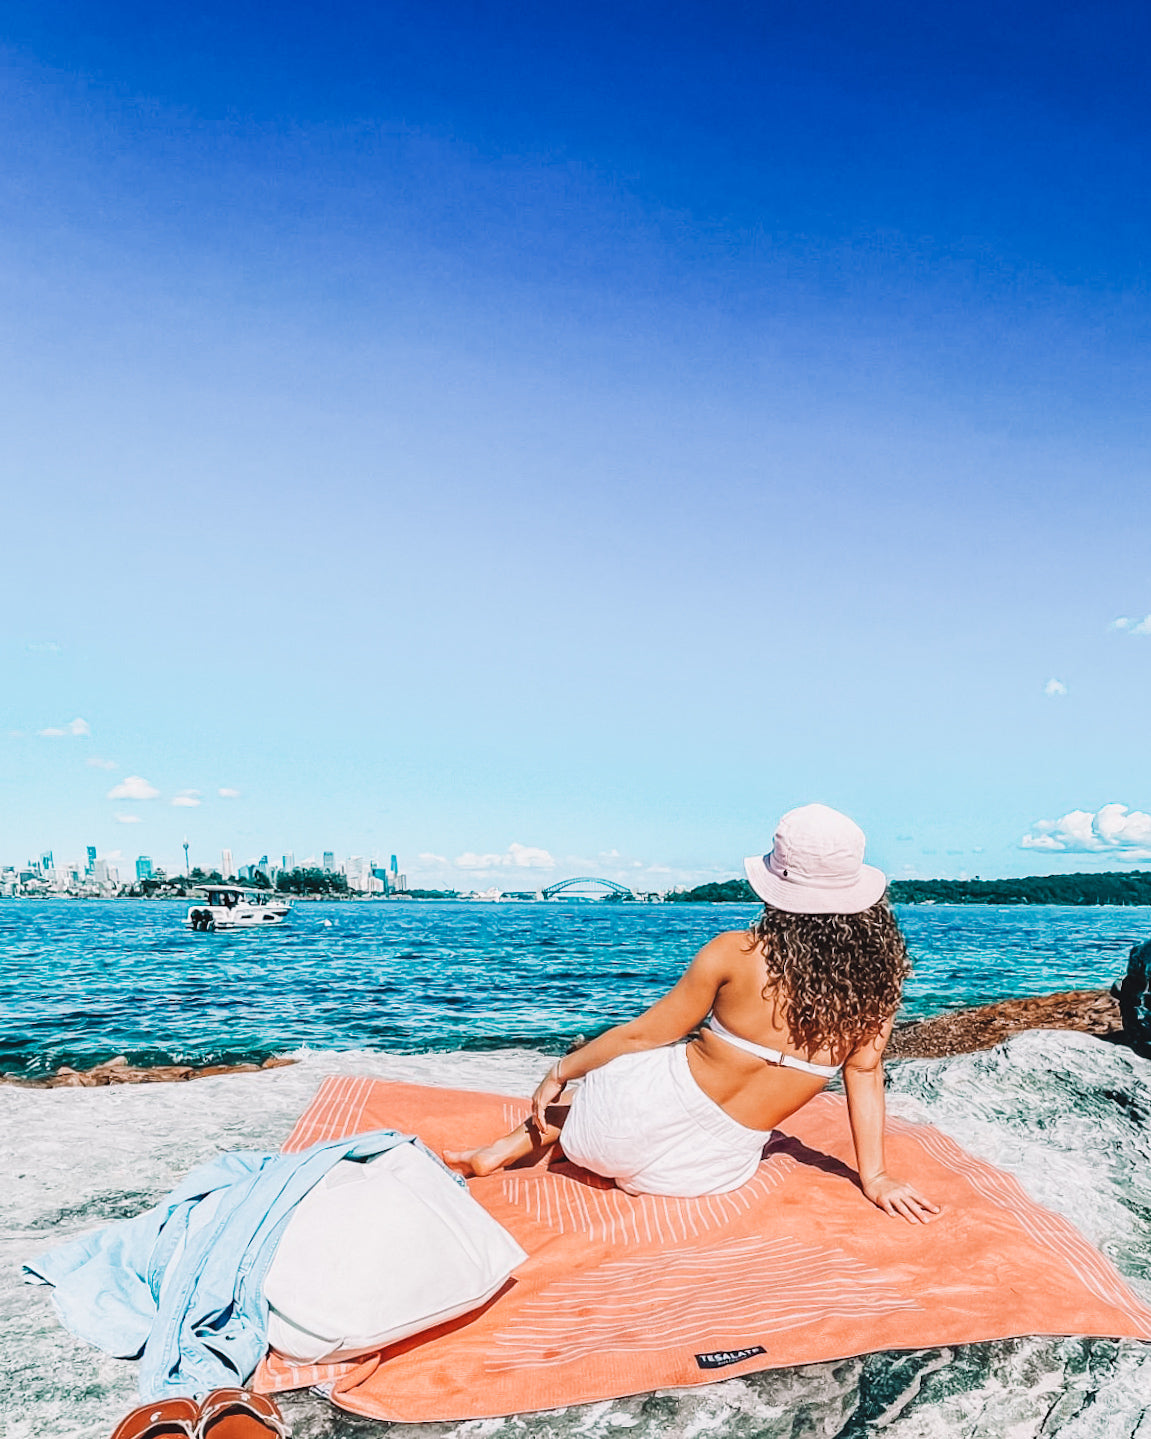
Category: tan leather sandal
[162,1419]
[240,1414]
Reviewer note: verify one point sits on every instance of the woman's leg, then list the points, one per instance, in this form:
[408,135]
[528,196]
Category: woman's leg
[526,1141]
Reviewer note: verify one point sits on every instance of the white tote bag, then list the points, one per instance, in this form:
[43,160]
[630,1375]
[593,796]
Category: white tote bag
[378,1251]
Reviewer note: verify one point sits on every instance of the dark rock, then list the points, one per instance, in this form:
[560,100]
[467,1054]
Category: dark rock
[962,1031]
[1134,996]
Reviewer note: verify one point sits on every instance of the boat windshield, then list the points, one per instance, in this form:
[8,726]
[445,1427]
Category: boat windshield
[229,898]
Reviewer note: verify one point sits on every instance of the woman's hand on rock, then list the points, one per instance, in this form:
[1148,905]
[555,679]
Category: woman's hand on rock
[900,1200]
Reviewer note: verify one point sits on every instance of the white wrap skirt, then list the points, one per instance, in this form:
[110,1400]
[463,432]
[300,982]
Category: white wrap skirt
[643,1121]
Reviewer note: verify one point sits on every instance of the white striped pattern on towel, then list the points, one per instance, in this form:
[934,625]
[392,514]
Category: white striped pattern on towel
[765,1285]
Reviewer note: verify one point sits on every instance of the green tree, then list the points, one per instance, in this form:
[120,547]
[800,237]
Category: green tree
[728,891]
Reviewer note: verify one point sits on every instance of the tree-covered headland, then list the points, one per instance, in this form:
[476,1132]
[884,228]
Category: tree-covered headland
[1110,887]
[1127,887]
[727,891]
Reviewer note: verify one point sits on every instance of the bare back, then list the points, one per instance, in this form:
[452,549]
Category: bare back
[752,1090]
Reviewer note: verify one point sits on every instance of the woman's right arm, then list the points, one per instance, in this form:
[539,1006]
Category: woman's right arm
[683,1007]
[866,1109]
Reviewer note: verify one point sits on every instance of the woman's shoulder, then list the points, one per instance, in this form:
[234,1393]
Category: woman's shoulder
[731,948]
[732,939]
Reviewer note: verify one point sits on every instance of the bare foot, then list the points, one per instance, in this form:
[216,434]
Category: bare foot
[472,1163]
[523,1142]
[462,1161]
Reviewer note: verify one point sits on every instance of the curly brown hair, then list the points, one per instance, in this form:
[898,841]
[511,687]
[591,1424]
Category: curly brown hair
[838,976]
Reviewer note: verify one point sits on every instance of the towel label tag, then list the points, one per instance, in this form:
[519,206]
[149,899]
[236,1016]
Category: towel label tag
[721,1358]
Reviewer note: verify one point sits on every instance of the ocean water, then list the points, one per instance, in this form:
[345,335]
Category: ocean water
[1068,1115]
[82,981]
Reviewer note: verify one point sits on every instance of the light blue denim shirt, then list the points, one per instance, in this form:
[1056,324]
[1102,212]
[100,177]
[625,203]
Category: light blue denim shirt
[182,1285]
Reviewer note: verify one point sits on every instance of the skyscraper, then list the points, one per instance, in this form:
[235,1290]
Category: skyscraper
[329,861]
[227,868]
[91,865]
[289,860]
[143,867]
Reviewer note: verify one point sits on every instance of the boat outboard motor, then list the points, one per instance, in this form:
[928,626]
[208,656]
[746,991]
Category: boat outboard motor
[1134,995]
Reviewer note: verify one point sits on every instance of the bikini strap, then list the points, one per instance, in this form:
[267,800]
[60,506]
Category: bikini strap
[773,1056]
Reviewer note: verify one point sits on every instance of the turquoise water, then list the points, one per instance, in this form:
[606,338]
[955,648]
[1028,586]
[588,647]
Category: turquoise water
[81,981]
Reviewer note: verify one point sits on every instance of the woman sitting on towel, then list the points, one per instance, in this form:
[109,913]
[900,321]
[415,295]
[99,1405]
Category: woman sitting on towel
[810,989]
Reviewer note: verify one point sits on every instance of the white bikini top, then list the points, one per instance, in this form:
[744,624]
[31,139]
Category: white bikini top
[773,1056]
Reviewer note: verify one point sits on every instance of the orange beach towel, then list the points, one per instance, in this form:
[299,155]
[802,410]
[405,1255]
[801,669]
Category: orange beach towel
[626,1294]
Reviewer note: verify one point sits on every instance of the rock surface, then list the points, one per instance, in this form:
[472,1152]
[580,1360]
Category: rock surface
[1068,1116]
[964,1031]
[119,1071]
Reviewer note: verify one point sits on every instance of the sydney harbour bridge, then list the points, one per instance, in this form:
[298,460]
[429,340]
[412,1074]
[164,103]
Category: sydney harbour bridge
[585,887]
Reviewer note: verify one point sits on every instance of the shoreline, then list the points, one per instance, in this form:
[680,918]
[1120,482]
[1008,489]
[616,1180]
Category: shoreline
[941,1036]
[964,1031]
[119,1071]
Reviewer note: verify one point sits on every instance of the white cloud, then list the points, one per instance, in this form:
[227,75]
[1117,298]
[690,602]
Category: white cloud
[228,793]
[187,799]
[1054,687]
[1132,627]
[524,856]
[43,647]
[127,819]
[522,867]
[95,763]
[133,787]
[1114,829]
[79,727]
[518,856]
[469,860]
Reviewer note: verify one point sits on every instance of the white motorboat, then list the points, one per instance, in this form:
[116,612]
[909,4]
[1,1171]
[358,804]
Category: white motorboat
[230,906]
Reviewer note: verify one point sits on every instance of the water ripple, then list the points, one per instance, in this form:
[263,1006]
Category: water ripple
[83,981]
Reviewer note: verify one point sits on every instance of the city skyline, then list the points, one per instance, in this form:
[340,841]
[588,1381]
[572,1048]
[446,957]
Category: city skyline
[1112,839]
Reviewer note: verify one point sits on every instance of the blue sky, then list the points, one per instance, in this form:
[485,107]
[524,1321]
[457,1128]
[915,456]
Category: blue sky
[455,427]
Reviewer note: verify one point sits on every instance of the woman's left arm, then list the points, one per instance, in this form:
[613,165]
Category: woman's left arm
[863,1081]
[684,1006]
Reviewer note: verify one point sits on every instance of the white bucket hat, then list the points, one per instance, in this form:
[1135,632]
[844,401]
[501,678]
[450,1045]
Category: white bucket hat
[816,865]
